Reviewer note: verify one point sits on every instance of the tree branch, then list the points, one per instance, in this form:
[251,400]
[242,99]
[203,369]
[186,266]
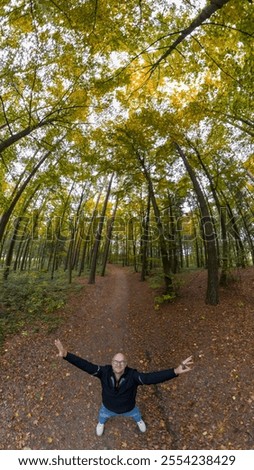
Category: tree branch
[216,63]
[95,14]
[5,116]
[213,23]
[208,11]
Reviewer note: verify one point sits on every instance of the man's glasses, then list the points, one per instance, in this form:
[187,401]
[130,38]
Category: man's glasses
[119,363]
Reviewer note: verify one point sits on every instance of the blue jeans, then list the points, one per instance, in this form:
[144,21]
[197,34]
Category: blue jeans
[105,414]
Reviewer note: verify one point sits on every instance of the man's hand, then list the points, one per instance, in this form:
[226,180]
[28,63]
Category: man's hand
[62,352]
[184,366]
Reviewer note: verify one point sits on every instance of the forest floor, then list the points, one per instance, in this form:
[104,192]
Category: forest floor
[45,403]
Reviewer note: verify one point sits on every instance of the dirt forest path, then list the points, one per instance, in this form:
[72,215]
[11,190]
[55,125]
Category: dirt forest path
[45,403]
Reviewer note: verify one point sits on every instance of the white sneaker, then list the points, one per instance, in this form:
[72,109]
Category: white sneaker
[99,429]
[142,426]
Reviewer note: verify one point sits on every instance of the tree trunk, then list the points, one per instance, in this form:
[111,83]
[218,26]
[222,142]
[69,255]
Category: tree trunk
[87,236]
[172,238]
[23,265]
[145,239]
[240,261]
[70,259]
[247,230]
[70,251]
[25,132]
[224,237]
[212,292]
[96,246]
[163,246]
[10,252]
[7,214]
[108,239]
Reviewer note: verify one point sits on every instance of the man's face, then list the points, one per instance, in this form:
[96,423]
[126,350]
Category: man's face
[119,363]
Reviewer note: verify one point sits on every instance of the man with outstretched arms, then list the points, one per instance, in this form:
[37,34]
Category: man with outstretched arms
[119,384]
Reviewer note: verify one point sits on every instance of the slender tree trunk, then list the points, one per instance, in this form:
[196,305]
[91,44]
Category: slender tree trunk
[248,234]
[240,261]
[96,246]
[131,238]
[108,239]
[42,256]
[59,238]
[146,221]
[180,244]
[22,246]
[10,252]
[198,263]
[74,246]
[25,254]
[2,246]
[50,257]
[76,252]
[53,262]
[212,293]
[246,214]
[71,244]
[172,238]
[87,236]
[7,214]
[69,263]
[17,257]
[224,237]
[163,246]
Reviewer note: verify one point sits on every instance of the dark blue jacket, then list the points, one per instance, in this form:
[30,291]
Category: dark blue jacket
[120,397]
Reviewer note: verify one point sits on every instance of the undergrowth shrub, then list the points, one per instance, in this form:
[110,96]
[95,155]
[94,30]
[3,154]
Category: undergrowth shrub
[156,282]
[31,300]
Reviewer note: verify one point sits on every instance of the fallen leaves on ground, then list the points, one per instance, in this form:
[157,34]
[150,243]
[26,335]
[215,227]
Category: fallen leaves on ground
[48,404]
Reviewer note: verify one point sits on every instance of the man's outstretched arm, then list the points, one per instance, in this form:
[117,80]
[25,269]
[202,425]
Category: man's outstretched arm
[77,361]
[164,375]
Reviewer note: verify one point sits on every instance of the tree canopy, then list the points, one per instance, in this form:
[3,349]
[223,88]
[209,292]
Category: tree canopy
[155,97]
